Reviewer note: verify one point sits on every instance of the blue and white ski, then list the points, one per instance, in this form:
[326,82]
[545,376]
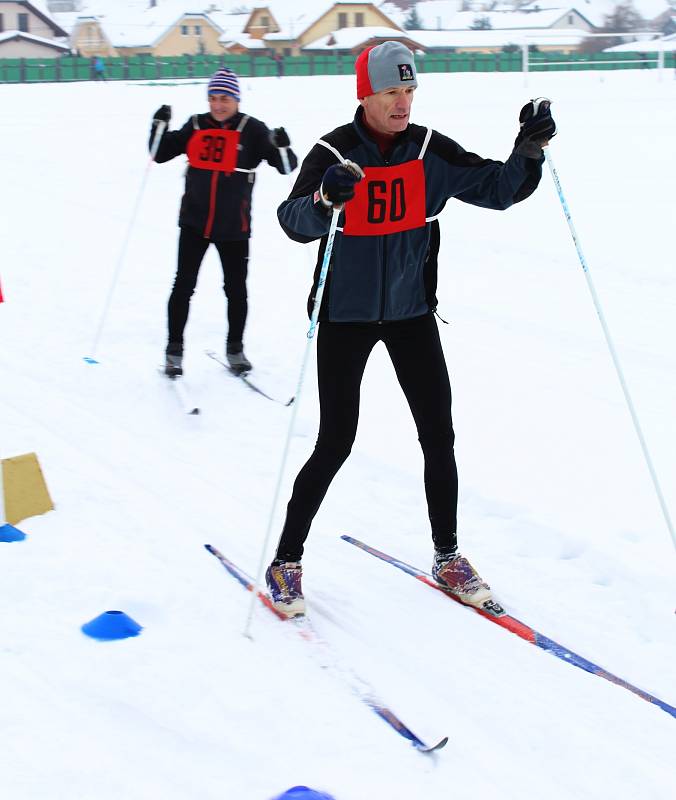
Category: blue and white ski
[321,648]
[516,626]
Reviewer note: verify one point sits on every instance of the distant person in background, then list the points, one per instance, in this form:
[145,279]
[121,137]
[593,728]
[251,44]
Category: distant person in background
[279,60]
[381,288]
[224,147]
[99,69]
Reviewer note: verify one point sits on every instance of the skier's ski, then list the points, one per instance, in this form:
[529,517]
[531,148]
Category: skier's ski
[304,628]
[244,377]
[519,628]
[181,393]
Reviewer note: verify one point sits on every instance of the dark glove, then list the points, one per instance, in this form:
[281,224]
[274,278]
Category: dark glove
[339,181]
[279,137]
[163,114]
[537,128]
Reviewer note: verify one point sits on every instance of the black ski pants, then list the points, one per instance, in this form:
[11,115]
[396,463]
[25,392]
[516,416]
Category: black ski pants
[343,348]
[234,260]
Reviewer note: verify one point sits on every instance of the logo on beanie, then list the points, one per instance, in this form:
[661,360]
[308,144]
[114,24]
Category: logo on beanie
[405,72]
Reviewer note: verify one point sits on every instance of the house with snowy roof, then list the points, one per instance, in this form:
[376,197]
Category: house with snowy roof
[307,25]
[183,27]
[28,31]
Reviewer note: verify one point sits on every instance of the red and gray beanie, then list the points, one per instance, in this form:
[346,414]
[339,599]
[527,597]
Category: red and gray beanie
[224,82]
[384,66]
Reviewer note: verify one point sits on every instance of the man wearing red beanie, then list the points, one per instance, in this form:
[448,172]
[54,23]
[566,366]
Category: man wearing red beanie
[382,286]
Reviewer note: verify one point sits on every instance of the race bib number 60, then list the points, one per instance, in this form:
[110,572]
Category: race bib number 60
[387,200]
[213,149]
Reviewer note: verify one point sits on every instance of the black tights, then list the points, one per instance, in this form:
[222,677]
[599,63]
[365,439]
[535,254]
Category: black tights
[234,259]
[342,352]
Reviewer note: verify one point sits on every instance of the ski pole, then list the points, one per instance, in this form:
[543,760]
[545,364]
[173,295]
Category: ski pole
[301,377]
[283,151]
[159,131]
[611,347]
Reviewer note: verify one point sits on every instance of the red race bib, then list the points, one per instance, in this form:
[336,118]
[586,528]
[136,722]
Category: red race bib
[214,149]
[387,200]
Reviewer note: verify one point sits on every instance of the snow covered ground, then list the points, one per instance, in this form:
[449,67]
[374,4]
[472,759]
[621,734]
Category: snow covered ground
[557,507]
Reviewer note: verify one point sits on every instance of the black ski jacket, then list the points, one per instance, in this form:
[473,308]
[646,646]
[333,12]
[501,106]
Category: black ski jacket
[380,278]
[215,204]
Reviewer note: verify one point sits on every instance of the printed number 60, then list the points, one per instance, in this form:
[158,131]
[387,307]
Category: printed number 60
[378,201]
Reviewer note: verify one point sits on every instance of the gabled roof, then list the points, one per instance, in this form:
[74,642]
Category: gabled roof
[9,36]
[666,44]
[506,20]
[597,10]
[432,40]
[39,8]
[245,41]
[350,38]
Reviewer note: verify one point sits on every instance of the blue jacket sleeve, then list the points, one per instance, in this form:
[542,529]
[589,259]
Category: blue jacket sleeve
[480,181]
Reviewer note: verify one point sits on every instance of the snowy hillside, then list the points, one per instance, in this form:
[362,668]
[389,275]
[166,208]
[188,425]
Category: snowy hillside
[557,508]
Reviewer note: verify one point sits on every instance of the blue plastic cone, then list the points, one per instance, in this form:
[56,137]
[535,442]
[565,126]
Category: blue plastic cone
[8,533]
[111,625]
[303,793]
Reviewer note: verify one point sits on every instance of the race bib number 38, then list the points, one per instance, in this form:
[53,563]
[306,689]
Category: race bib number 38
[387,200]
[213,149]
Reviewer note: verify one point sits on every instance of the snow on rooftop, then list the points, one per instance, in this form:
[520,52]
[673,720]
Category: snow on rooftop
[348,38]
[666,44]
[8,35]
[497,38]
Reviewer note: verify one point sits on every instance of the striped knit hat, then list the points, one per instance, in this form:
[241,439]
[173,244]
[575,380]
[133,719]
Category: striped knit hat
[224,82]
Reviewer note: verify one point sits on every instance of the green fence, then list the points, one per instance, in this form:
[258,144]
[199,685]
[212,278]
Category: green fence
[37,70]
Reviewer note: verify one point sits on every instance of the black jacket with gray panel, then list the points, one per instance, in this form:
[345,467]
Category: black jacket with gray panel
[388,277]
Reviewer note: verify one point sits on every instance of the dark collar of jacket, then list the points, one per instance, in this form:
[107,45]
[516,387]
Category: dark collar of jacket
[365,135]
[206,121]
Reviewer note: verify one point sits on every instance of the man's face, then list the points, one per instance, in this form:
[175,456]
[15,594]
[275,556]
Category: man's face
[222,106]
[388,111]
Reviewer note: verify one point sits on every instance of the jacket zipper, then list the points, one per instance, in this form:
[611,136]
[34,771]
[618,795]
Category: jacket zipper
[212,205]
[383,274]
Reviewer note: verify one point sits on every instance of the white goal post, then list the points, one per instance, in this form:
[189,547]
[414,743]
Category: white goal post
[532,39]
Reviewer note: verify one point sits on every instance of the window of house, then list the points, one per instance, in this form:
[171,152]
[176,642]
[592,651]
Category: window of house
[23,22]
[184,30]
[265,22]
[359,20]
[287,51]
[571,19]
[342,20]
[198,30]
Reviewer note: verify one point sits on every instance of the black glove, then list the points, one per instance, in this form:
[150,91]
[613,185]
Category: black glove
[537,128]
[279,137]
[338,183]
[163,114]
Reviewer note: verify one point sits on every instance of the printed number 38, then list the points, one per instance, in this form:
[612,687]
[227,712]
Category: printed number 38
[214,147]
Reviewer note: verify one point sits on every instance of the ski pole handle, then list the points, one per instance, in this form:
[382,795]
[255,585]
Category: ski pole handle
[284,153]
[157,138]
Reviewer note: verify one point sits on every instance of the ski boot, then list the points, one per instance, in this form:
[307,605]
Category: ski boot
[173,365]
[454,572]
[238,362]
[283,579]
